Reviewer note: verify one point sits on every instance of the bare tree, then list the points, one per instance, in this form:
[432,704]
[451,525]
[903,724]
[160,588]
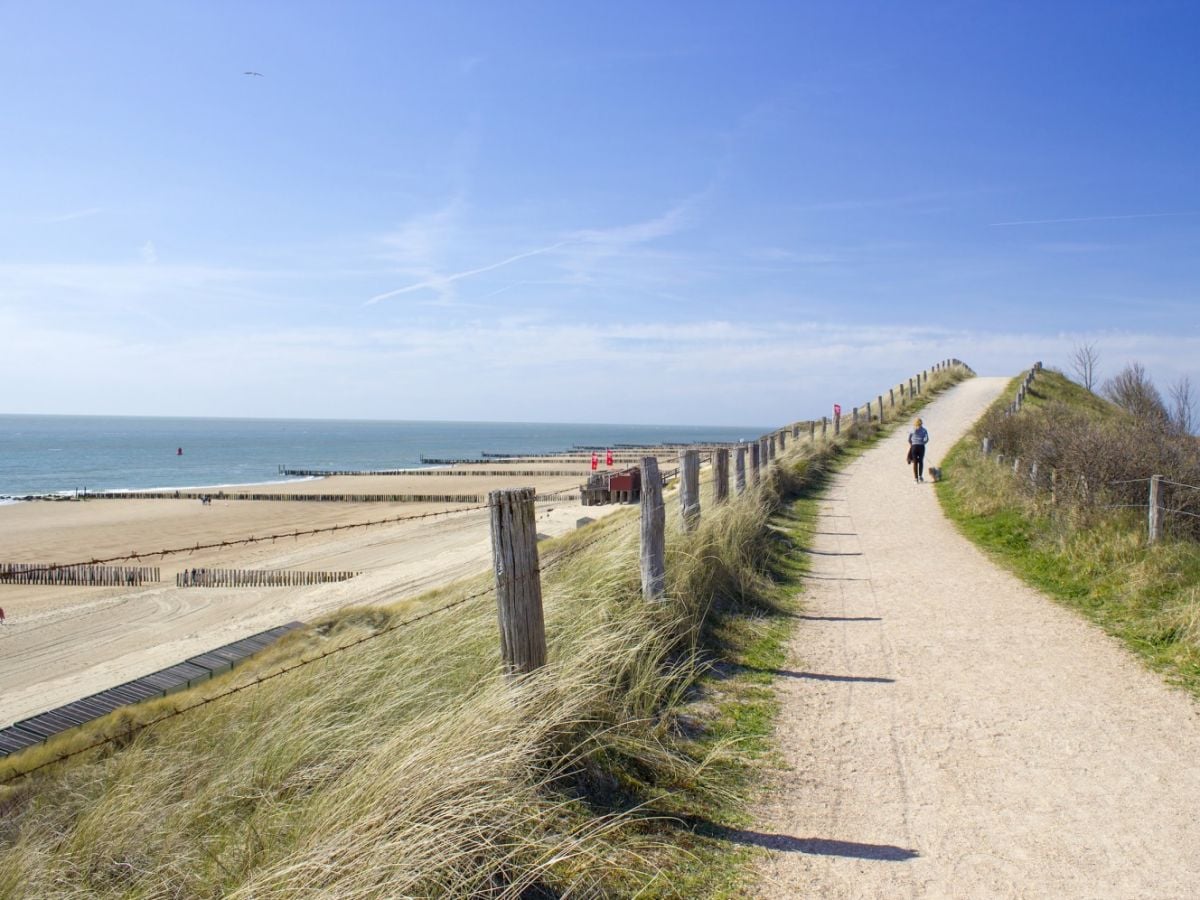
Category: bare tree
[1083,360]
[1132,390]
[1183,406]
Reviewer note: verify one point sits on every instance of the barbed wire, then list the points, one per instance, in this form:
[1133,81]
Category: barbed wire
[1182,512]
[1180,484]
[234,542]
[1128,481]
[300,663]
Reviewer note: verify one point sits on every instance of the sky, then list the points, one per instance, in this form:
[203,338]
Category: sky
[675,212]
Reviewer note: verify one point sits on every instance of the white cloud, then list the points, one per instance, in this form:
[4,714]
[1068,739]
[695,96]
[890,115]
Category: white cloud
[149,253]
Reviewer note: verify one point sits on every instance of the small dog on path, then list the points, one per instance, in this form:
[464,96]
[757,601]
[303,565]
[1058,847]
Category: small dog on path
[935,473]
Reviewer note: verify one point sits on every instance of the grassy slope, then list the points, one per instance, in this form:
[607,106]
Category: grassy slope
[407,766]
[1096,561]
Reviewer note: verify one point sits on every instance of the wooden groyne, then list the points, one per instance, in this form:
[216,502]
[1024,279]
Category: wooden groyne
[298,498]
[455,473]
[257,578]
[84,576]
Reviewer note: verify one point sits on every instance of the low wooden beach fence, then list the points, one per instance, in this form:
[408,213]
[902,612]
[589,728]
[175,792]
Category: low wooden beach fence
[84,576]
[257,578]
[299,498]
[448,473]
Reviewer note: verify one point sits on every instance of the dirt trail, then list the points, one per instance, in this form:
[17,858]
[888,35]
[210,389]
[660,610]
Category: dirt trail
[950,732]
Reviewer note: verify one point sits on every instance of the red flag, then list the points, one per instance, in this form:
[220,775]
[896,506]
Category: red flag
[837,410]
[608,457]
[595,460]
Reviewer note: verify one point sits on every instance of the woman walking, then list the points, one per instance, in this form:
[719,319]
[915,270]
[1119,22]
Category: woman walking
[917,439]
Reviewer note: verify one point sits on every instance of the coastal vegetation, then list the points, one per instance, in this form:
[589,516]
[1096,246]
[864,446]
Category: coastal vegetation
[1076,527]
[380,751]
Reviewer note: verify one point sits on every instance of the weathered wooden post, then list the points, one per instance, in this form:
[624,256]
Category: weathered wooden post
[1156,508]
[911,393]
[987,446]
[771,448]
[1054,487]
[654,540]
[783,441]
[739,470]
[892,397]
[518,585]
[812,431]
[764,456]
[689,488]
[837,425]
[721,475]
[855,415]
[796,432]
[755,449]
[881,409]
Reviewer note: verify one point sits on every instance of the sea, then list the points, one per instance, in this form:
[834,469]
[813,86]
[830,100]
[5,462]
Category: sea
[46,455]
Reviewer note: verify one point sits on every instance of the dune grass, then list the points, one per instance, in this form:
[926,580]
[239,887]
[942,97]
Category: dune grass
[408,766]
[1093,559]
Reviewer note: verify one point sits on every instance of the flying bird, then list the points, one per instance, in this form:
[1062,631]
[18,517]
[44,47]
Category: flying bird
[258,74]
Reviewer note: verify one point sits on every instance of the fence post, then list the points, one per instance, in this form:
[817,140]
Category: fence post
[654,542]
[987,446]
[771,449]
[824,427]
[910,388]
[1054,487]
[739,470]
[764,458]
[812,431]
[855,416]
[1156,508]
[881,409]
[837,425]
[892,397]
[721,475]
[689,488]
[518,585]
[783,441]
[754,454]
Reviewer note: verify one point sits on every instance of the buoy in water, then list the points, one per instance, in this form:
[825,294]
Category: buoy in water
[179,452]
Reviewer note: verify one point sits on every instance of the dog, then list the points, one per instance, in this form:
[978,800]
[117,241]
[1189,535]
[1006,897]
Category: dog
[935,473]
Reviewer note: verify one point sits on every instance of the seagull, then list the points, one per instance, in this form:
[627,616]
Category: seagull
[257,74]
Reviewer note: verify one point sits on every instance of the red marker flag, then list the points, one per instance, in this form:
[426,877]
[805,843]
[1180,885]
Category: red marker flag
[837,410]
[595,460]
[608,457]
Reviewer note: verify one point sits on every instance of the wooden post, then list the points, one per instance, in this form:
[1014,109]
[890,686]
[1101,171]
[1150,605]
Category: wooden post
[654,541]
[881,409]
[812,432]
[754,453]
[739,470]
[796,432]
[771,448]
[689,488]
[721,475]
[1053,487]
[1156,508]
[855,416]
[837,425]
[518,585]
[892,397]
[783,441]
[764,457]
[911,393]
[987,446]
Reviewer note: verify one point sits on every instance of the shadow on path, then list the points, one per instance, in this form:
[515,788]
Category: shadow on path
[812,676]
[786,843]
[841,618]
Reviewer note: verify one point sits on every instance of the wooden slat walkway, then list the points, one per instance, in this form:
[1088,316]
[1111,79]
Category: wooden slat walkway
[40,728]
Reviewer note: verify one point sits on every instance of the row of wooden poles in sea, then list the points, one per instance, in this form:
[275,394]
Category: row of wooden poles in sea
[133,576]
[872,410]
[513,512]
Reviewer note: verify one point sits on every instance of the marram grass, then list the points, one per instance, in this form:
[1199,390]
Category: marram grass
[409,767]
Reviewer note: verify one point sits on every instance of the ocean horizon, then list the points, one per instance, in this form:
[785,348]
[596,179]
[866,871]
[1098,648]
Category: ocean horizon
[61,454]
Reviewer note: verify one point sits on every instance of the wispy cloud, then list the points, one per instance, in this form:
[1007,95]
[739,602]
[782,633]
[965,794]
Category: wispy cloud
[440,282]
[148,253]
[72,216]
[1158,215]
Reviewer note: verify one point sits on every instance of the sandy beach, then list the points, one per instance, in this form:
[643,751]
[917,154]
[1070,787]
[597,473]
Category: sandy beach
[62,643]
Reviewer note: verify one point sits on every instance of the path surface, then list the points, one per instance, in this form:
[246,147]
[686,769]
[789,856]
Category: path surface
[950,732]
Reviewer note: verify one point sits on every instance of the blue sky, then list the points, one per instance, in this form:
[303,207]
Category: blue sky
[675,212]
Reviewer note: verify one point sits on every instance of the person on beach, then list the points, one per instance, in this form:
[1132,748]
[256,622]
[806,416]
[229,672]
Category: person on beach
[1,615]
[917,439]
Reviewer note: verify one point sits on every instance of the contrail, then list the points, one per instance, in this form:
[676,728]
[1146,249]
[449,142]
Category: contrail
[1092,219]
[457,276]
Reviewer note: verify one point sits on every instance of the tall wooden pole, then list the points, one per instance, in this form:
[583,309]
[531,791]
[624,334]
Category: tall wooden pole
[721,475]
[518,585]
[654,541]
[689,488]
[739,468]
[1156,508]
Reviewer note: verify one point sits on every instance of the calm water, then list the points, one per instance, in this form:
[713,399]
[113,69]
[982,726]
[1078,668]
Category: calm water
[48,454]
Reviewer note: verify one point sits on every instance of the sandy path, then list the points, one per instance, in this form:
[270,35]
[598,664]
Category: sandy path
[950,732]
